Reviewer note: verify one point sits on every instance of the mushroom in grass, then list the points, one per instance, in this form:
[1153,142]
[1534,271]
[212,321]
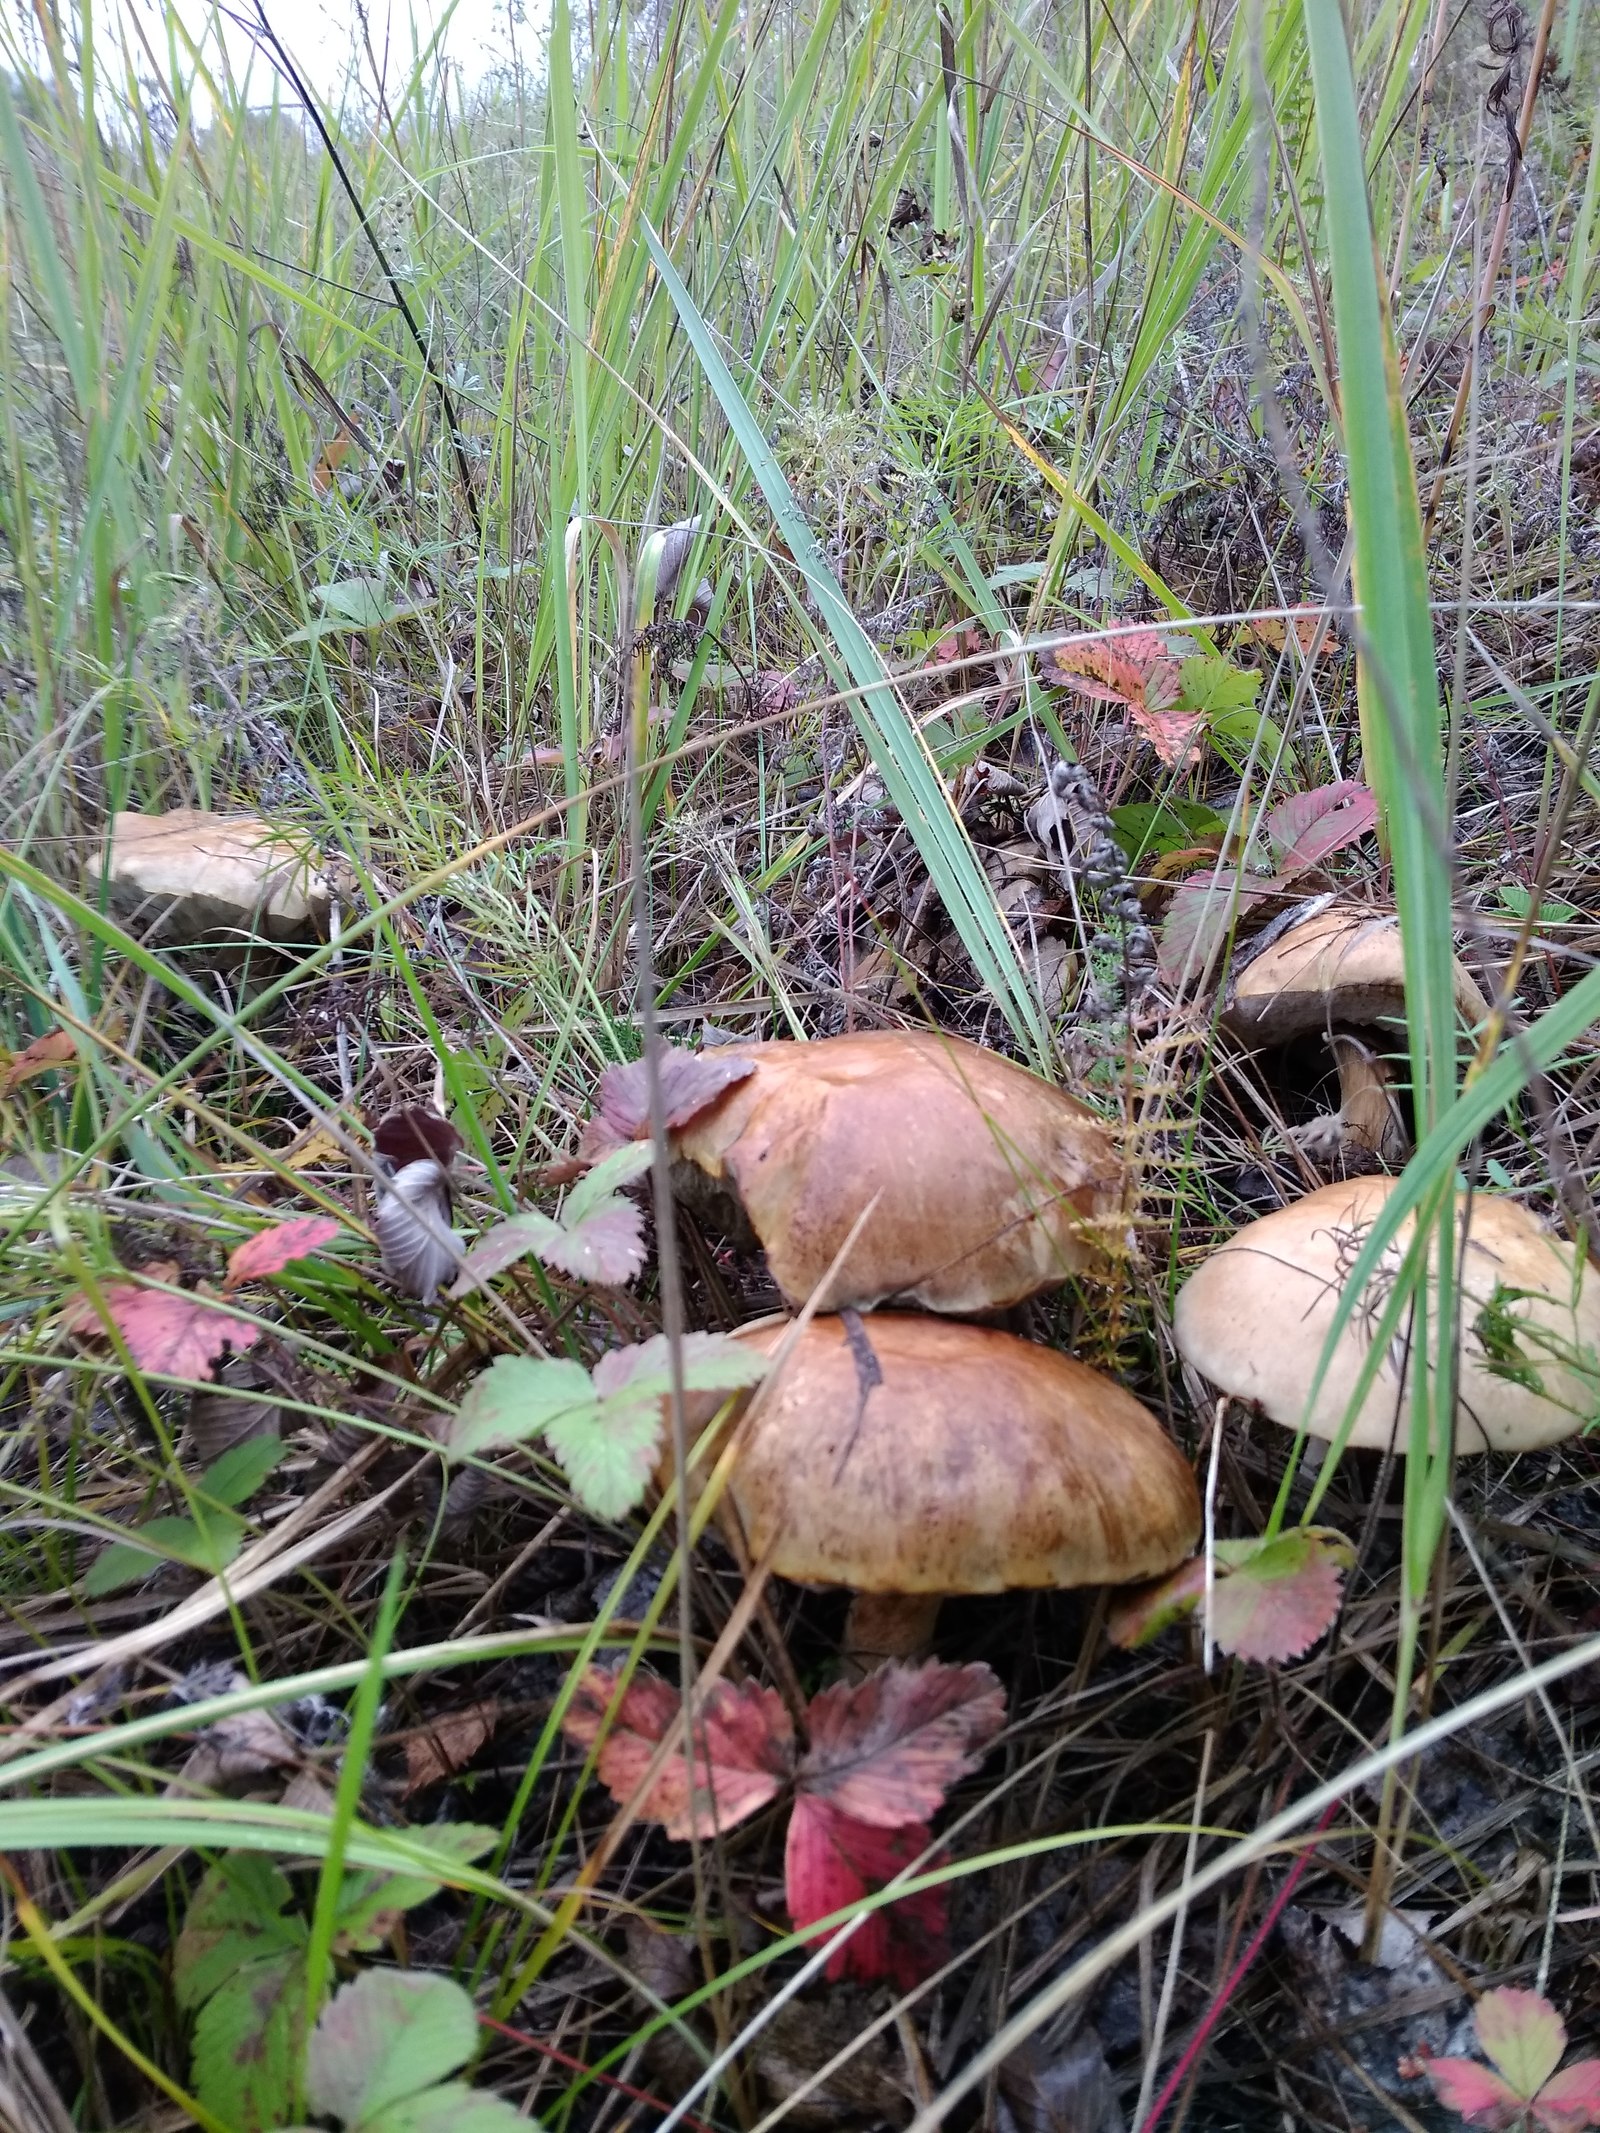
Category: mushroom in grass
[1254,1318]
[909,1457]
[990,1184]
[1340,974]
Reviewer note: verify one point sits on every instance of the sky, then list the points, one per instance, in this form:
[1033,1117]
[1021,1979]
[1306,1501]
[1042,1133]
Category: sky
[323,37]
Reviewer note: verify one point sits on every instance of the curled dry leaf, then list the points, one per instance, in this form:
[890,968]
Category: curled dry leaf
[56,1048]
[743,1750]
[270,1250]
[447,1744]
[831,1860]
[1271,1601]
[166,1336]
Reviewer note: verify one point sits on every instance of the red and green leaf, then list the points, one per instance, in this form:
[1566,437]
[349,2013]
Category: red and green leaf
[888,1749]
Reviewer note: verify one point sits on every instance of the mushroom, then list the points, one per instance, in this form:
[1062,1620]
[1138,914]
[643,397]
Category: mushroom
[1339,972]
[1254,1318]
[990,1184]
[908,1457]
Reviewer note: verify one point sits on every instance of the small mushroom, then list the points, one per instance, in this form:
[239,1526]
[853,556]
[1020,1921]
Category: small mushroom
[1254,1317]
[990,1184]
[1341,973]
[908,1457]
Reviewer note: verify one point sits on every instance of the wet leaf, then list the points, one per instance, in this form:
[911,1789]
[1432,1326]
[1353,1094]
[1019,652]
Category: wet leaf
[690,1082]
[166,1336]
[743,1748]
[1309,827]
[269,1251]
[830,1861]
[887,1750]
[56,1048]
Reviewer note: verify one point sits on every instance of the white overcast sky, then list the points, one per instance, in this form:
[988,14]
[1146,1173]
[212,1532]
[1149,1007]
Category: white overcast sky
[324,37]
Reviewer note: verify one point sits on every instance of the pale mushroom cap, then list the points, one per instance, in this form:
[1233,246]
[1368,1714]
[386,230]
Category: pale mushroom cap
[931,1456]
[195,873]
[1338,966]
[993,1185]
[1254,1317]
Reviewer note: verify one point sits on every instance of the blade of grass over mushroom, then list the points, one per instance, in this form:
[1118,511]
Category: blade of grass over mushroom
[894,741]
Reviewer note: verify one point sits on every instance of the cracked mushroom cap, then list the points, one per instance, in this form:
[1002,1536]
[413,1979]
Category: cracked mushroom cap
[1337,966]
[1254,1317]
[905,1454]
[992,1184]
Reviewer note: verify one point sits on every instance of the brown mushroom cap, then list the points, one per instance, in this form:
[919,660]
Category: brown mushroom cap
[1338,966]
[187,873]
[993,1184]
[1254,1317]
[907,1454]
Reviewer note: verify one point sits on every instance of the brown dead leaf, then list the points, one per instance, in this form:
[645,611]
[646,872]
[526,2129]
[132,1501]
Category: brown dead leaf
[447,1744]
[54,1049]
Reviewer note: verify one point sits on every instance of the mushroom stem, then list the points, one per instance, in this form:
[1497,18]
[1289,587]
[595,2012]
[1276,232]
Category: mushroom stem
[1368,1115]
[888,1625]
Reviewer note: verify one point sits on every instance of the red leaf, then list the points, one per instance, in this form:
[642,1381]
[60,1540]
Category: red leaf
[831,1860]
[1481,2097]
[172,1336]
[54,1049]
[1201,912]
[269,1251]
[1136,671]
[1170,733]
[416,1135]
[690,1081]
[1309,826]
[1570,2100]
[743,1749]
[1278,1596]
[886,1750]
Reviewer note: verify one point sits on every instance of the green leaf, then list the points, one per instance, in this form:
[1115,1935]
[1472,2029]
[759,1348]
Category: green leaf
[1234,733]
[236,1476]
[1212,686]
[384,2037]
[367,1897]
[234,1917]
[247,2043]
[451,2108]
[609,1457]
[1164,825]
[515,1399]
[207,1542]
[620,1168]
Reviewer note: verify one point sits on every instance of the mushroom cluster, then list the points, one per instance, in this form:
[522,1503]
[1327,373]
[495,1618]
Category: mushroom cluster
[913,1455]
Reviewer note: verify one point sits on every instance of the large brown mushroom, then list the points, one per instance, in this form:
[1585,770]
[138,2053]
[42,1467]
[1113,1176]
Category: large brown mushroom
[1254,1317]
[1340,973]
[908,1457]
[990,1184]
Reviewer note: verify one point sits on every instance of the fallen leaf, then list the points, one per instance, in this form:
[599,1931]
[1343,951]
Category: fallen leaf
[743,1748]
[1274,630]
[269,1251]
[447,1744]
[416,1135]
[169,1336]
[690,1081]
[1309,827]
[54,1049]
[831,1861]
[1136,670]
[887,1750]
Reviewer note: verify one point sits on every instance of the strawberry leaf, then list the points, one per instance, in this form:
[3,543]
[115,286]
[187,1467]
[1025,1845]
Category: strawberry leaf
[887,1750]
[1524,2036]
[690,1083]
[622,1167]
[1570,2100]
[385,2036]
[1481,2097]
[1309,826]
[1140,1616]
[608,1455]
[1212,688]
[503,1246]
[1170,733]
[269,1251]
[743,1748]
[607,1246]
[235,1916]
[248,2038]
[831,1861]
[1202,910]
[1136,671]
[54,1049]
[516,1398]
[1277,1597]
[166,1336]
